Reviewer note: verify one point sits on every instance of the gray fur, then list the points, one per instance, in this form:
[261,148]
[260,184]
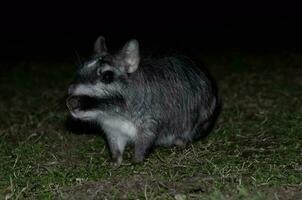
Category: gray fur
[166,101]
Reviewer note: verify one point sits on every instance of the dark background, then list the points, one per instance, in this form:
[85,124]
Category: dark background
[58,30]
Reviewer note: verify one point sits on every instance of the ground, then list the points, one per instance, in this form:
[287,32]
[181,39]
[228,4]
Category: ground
[254,152]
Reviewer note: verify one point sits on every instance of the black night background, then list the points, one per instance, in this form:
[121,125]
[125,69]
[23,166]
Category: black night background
[254,52]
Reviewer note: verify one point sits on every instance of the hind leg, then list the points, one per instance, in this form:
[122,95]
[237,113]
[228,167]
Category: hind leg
[201,131]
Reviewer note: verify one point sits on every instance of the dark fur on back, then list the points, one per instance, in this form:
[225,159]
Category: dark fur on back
[176,95]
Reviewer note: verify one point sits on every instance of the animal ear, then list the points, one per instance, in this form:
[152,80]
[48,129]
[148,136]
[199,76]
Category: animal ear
[130,55]
[100,46]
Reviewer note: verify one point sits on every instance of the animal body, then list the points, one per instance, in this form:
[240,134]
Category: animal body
[144,102]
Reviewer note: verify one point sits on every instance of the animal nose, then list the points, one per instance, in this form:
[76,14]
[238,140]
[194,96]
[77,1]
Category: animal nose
[71,89]
[72,103]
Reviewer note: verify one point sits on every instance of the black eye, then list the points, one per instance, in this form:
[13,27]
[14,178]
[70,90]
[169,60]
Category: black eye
[107,76]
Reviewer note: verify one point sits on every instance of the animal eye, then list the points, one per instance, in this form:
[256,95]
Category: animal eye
[107,76]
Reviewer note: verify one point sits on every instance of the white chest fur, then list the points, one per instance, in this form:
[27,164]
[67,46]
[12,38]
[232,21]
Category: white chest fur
[119,127]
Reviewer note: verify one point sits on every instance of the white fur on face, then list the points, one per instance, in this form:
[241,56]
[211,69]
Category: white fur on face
[93,90]
[85,115]
[91,64]
[106,67]
[85,89]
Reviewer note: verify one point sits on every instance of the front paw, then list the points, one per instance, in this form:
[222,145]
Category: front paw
[116,162]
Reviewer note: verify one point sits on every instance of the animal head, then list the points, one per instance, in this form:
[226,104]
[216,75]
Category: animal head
[99,80]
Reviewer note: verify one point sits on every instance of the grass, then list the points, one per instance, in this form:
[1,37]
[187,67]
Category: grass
[255,151]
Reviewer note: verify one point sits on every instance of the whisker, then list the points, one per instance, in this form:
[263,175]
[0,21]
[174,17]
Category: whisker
[78,58]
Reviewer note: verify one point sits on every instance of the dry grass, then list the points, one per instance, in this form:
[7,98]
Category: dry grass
[253,153]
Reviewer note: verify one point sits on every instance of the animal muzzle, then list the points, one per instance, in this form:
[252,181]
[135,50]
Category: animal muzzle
[83,103]
[73,103]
